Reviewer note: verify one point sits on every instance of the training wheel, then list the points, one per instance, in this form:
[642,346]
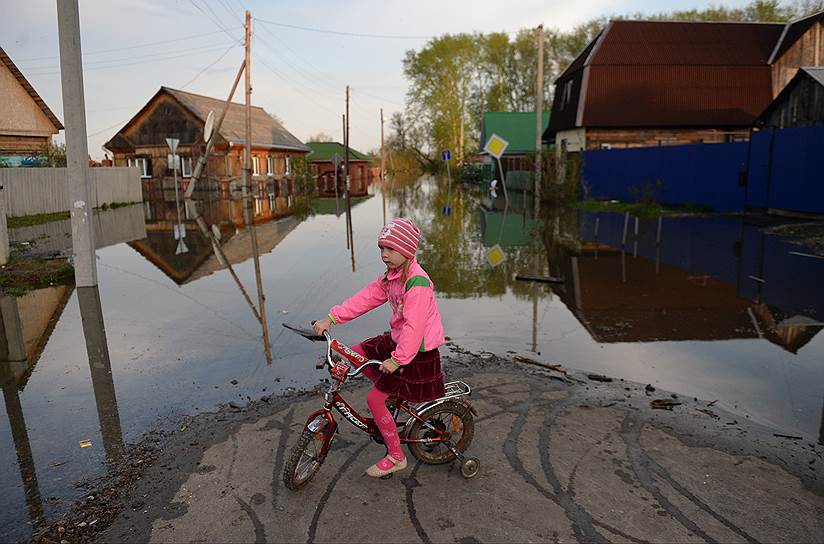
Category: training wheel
[469,468]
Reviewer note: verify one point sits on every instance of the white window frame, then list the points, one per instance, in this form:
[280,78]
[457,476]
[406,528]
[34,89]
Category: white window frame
[142,164]
[288,169]
[270,166]
[186,167]
[255,166]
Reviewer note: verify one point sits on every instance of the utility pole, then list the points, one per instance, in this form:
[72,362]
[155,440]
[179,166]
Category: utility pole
[77,150]
[539,125]
[247,174]
[348,183]
[383,171]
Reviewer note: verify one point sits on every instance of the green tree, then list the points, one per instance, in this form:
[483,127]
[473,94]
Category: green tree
[52,155]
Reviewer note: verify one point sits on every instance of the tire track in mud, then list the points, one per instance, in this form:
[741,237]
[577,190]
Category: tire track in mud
[313,526]
[645,467]
[260,532]
[280,454]
[411,483]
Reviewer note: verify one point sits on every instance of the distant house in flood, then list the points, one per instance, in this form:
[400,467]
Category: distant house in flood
[26,122]
[650,83]
[517,128]
[171,113]
[799,104]
[321,162]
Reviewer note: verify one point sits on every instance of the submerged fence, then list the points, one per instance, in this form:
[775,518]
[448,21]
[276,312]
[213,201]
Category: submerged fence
[29,191]
[778,169]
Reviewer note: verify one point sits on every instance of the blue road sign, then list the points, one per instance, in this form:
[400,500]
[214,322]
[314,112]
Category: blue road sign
[446,155]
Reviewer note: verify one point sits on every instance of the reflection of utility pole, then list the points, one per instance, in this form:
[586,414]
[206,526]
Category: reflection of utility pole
[348,183]
[383,171]
[345,172]
[539,114]
[12,348]
[100,366]
[247,173]
[821,430]
[77,150]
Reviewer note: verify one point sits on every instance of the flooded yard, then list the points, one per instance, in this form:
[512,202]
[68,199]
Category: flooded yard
[710,307]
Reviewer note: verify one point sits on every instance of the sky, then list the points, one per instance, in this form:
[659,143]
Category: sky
[133,47]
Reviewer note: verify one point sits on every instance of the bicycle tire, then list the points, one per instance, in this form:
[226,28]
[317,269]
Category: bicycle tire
[294,476]
[439,454]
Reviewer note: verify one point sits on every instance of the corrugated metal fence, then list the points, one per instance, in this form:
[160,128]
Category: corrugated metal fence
[30,191]
[778,169]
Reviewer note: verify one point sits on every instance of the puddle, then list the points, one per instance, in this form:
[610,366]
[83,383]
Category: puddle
[713,308]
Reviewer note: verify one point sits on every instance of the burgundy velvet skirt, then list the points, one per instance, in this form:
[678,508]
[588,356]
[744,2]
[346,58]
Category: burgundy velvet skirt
[419,381]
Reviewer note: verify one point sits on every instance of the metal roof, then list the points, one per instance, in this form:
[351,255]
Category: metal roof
[266,130]
[816,72]
[792,32]
[325,151]
[6,60]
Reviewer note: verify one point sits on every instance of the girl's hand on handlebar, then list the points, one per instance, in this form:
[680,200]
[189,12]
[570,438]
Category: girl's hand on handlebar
[324,324]
[388,366]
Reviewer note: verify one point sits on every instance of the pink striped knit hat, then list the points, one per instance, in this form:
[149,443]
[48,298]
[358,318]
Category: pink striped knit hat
[401,235]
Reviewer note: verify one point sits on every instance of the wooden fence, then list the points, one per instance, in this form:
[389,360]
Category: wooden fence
[29,191]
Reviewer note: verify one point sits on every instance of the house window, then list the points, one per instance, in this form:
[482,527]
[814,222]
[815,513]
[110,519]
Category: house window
[270,166]
[288,171]
[142,164]
[567,96]
[255,166]
[186,166]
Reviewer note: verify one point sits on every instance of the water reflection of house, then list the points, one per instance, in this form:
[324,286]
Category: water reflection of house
[159,248]
[171,113]
[695,286]
[323,168]
[26,122]
[650,83]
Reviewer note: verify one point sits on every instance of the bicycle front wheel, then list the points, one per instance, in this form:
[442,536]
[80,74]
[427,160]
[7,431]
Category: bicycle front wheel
[453,418]
[305,460]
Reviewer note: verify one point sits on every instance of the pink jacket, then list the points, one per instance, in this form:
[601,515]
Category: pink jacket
[415,323]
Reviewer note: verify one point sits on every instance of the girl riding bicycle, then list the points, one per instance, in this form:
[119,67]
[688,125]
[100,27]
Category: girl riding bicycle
[411,367]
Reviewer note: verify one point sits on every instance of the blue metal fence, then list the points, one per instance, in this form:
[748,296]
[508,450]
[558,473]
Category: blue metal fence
[784,171]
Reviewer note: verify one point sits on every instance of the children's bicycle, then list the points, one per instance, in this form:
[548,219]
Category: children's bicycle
[436,432]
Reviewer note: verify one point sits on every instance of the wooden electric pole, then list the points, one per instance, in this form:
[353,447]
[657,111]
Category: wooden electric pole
[247,175]
[539,125]
[348,182]
[383,171]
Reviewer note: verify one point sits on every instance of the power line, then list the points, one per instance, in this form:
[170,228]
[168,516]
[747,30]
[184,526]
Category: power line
[209,66]
[351,34]
[124,48]
[118,63]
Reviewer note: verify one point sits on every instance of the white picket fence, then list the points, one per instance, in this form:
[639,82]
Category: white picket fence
[29,191]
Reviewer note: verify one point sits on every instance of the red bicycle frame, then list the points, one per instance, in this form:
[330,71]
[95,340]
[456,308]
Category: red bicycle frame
[333,399]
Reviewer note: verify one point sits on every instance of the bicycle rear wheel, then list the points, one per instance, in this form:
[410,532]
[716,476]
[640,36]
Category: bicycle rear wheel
[455,419]
[304,461]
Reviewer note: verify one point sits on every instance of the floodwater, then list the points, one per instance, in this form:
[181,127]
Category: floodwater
[712,307]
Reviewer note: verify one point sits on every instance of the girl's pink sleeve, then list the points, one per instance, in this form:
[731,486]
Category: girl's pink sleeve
[368,298]
[416,304]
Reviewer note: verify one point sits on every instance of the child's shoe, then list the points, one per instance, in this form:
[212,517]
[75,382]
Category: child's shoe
[386,466]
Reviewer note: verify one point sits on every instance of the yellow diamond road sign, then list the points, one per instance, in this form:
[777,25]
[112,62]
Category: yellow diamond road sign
[495,255]
[496,146]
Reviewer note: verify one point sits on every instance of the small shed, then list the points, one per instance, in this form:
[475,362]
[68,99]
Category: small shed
[321,159]
[799,104]
[517,128]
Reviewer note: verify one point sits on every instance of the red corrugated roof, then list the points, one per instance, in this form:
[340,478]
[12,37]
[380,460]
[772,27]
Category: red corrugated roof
[687,95]
[662,42]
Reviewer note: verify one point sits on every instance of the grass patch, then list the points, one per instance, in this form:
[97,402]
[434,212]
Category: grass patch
[642,209]
[24,274]
[115,205]
[38,219]
[637,209]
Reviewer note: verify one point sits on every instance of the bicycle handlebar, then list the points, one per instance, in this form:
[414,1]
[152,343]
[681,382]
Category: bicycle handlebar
[358,370]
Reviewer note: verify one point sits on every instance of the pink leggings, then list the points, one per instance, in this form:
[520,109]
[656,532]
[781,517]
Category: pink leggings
[376,400]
